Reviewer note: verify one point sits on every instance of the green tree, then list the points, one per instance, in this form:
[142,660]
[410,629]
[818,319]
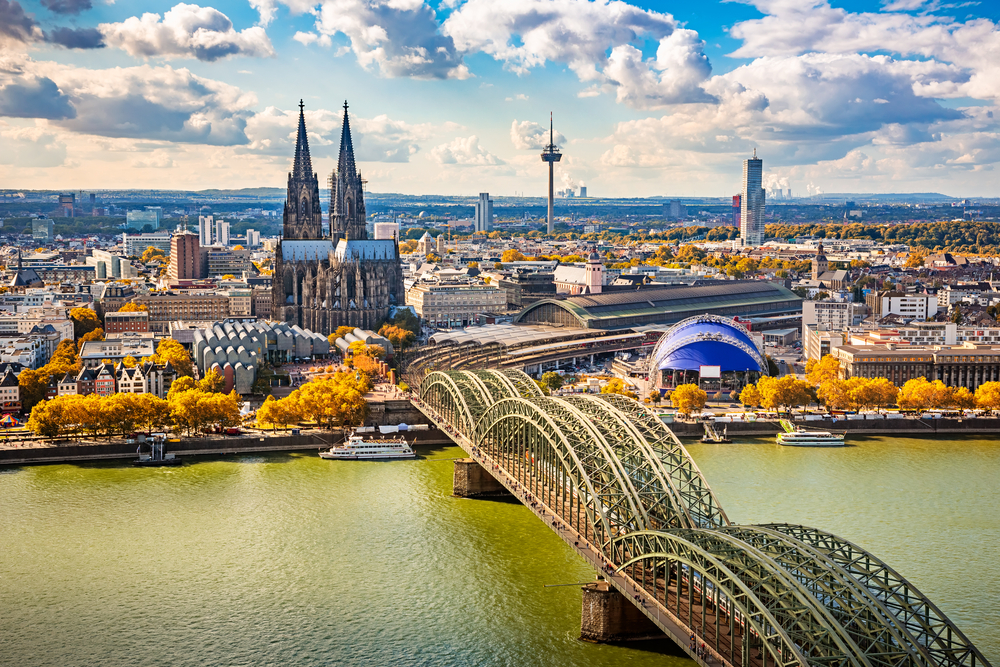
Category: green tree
[552,380]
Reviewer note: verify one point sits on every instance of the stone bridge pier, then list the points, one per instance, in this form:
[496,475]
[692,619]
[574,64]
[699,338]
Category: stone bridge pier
[608,617]
[473,481]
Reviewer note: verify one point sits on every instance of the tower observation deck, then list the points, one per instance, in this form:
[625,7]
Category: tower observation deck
[551,155]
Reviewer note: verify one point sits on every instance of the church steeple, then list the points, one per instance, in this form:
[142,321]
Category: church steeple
[302,168]
[303,217]
[347,199]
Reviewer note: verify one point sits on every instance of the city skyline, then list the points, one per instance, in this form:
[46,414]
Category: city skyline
[452,97]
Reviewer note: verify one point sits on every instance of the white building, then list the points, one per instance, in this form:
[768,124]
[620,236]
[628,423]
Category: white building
[222,232]
[912,306]
[831,315]
[576,279]
[484,213]
[206,230]
[752,203]
[135,244]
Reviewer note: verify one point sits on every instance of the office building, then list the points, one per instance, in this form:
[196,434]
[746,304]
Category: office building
[752,203]
[138,220]
[109,265]
[187,261]
[385,231]
[253,238]
[675,210]
[67,205]
[484,213]
[227,262]
[910,306]
[167,307]
[206,230]
[135,244]
[129,322]
[42,230]
[454,305]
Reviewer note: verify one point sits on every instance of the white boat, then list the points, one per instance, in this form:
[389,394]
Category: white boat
[800,438]
[357,448]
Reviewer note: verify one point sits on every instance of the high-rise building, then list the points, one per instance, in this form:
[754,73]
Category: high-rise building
[152,216]
[186,257]
[42,230]
[752,203]
[736,209]
[135,244]
[206,229]
[253,238]
[484,213]
[676,210]
[222,232]
[67,204]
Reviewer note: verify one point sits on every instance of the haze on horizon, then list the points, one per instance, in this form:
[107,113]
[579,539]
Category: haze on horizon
[452,96]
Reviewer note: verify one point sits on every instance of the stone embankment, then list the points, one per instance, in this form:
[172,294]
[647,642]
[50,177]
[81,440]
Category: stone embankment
[901,427]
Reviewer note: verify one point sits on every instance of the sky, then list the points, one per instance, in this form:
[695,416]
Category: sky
[453,97]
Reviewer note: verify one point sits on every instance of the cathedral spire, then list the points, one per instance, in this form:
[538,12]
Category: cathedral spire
[302,168]
[345,165]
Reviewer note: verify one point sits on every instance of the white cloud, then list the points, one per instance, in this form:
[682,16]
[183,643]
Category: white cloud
[465,151]
[31,147]
[675,76]
[378,139]
[186,31]
[395,37]
[307,38]
[528,134]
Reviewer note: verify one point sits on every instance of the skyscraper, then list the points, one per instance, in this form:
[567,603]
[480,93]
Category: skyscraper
[484,213]
[752,203]
[206,225]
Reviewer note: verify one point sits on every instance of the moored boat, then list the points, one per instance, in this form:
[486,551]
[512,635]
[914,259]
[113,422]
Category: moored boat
[378,448]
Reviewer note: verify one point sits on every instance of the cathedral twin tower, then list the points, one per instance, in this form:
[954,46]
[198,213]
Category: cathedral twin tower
[346,279]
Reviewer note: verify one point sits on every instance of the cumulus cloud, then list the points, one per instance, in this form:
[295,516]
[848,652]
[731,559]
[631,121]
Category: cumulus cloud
[528,134]
[394,37]
[34,97]
[76,38]
[675,76]
[378,139]
[465,151]
[15,25]
[186,31]
[307,38]
[67,6]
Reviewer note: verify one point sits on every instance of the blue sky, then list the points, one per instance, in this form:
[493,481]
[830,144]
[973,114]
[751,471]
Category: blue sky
[453,96]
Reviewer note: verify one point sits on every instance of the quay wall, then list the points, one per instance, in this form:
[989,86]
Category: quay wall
[902,427]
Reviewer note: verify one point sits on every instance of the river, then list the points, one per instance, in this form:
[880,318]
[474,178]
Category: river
[287,559]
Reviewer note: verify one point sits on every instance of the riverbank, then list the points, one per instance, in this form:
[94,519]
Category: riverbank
[912,428]
[257,442]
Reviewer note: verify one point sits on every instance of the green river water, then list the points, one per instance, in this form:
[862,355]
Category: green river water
[287,559]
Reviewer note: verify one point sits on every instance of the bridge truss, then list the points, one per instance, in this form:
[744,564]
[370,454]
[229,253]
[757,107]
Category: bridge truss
[756,596]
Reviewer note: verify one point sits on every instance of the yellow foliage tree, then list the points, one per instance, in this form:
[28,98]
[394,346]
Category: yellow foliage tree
[84,321]
[688,398]
[133,308]
[988,396]
[172,351]
[617,386]
[919,394]
[512,255]
[824,370]
[129,362]
[213,382]
[750,397]
[782,392]
[963,399]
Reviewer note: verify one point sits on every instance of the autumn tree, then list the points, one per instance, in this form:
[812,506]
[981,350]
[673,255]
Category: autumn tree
[169,350]
[617,386]
[129,362]
[654,396]
[152,254]
[213,382]
[96,334]
[512,255]
[750,397]
[988,396]
[963,399]
[823,370]
[398,336]
[919,394]
[776,393]
[688,398]
[131,307]
[84,321]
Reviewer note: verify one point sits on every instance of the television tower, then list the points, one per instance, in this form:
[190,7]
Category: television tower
[551,155]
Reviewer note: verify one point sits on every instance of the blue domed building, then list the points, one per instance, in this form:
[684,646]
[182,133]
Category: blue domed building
[687,348]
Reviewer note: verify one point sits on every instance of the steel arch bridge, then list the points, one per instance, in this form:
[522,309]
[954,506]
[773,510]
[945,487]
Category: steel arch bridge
[754,596]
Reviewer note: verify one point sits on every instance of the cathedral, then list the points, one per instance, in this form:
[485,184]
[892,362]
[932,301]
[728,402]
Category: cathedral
[346,279]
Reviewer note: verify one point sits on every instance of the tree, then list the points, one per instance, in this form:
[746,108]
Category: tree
[552,380]
[823,370]
[963,399]
[654,396]
[46,419]
[915,260]
[783,392]
[512,255]
[988,396]
[956,314]
[473,265]
[398,336]
[151,254]
[688,398]
[133,308]
[406,319]
[270,413]
[213,382]
[919,394]
[182,384]
[96,334]
[237,247]
[129,362]
[84,321]
[750,397]
[32,386]
[617,386]
[169,350]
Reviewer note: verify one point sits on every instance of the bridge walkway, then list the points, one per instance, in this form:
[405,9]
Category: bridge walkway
[716,639]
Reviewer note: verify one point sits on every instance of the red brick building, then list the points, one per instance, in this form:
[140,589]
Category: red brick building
[126,322]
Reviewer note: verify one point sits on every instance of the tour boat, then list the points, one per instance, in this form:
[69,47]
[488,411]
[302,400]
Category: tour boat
[357,448]
[800,438]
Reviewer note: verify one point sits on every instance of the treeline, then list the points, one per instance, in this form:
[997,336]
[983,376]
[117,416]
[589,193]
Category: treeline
[968,236]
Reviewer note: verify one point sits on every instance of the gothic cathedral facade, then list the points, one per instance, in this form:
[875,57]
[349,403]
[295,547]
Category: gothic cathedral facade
[346,279]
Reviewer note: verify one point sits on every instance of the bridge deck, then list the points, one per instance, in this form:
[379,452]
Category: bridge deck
[720,637]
